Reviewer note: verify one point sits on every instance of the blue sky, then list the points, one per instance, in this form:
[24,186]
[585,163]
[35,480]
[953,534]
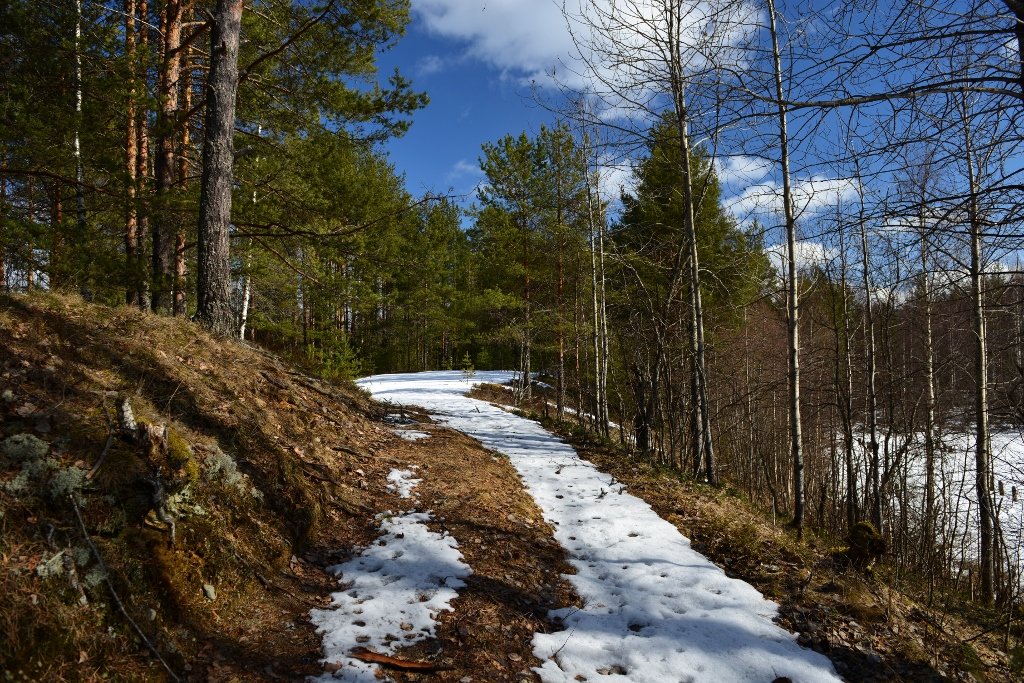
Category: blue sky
[470,59]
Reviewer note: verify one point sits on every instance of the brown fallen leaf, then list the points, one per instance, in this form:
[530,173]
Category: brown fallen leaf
[366,655]
[26,410]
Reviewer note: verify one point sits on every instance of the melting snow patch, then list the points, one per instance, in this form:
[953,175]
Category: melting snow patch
[402,481]
[391,593]
[411,434]
[655,609]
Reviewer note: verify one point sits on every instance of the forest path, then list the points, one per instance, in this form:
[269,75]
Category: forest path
[654,609]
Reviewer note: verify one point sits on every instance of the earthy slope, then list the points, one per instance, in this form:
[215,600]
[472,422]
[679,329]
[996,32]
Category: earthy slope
[269,476]
[265,468]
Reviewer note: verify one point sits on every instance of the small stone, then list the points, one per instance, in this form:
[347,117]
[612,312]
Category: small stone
[151,614]
[405,626]
[613,669]
[7,396]
[362,639]
[466,679]
[209,591]
[513,657]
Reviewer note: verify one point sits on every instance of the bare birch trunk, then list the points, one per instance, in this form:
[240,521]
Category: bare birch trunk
[928,545]
[703,446]
[599,415]
[983,464]
[792,293]
[844,381]
[870,372]
[79,166]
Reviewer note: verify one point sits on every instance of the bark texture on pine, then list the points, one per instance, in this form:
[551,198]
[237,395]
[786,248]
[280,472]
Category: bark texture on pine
[131,159]
[180,264]
[163,230]
[214,273]
[142,172]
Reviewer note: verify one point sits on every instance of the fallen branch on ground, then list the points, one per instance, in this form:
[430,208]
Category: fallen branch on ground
[366,655]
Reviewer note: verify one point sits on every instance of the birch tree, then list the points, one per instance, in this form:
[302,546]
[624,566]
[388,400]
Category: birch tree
[644,62]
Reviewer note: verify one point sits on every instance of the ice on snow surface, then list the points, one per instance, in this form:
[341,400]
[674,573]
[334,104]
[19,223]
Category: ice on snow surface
[655,609]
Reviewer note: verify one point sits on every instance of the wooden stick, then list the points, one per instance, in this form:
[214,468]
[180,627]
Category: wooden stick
[366,655]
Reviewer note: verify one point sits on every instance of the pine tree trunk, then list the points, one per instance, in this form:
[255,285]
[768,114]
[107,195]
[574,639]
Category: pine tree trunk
[4,283]
[167,93]
[142,259]
[56,273]
[214,306]
[131,159]
[30,260]
[180,264]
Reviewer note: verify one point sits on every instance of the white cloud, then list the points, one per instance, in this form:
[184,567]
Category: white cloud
[810,196]
[431,64]
[531,41]
[741,170]
[525,38]
[464,169]
[808,255]
[614,176]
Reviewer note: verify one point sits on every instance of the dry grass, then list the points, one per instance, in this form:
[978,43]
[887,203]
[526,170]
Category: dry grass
[297,442]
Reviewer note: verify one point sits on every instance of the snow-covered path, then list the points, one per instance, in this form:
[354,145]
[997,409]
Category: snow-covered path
[654,609]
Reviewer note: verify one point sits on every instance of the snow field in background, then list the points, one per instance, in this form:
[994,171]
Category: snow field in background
[392,592]
[956,487]
[655,610]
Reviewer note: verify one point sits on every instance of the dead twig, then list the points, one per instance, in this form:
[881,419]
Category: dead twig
[365,655]
[106,447]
